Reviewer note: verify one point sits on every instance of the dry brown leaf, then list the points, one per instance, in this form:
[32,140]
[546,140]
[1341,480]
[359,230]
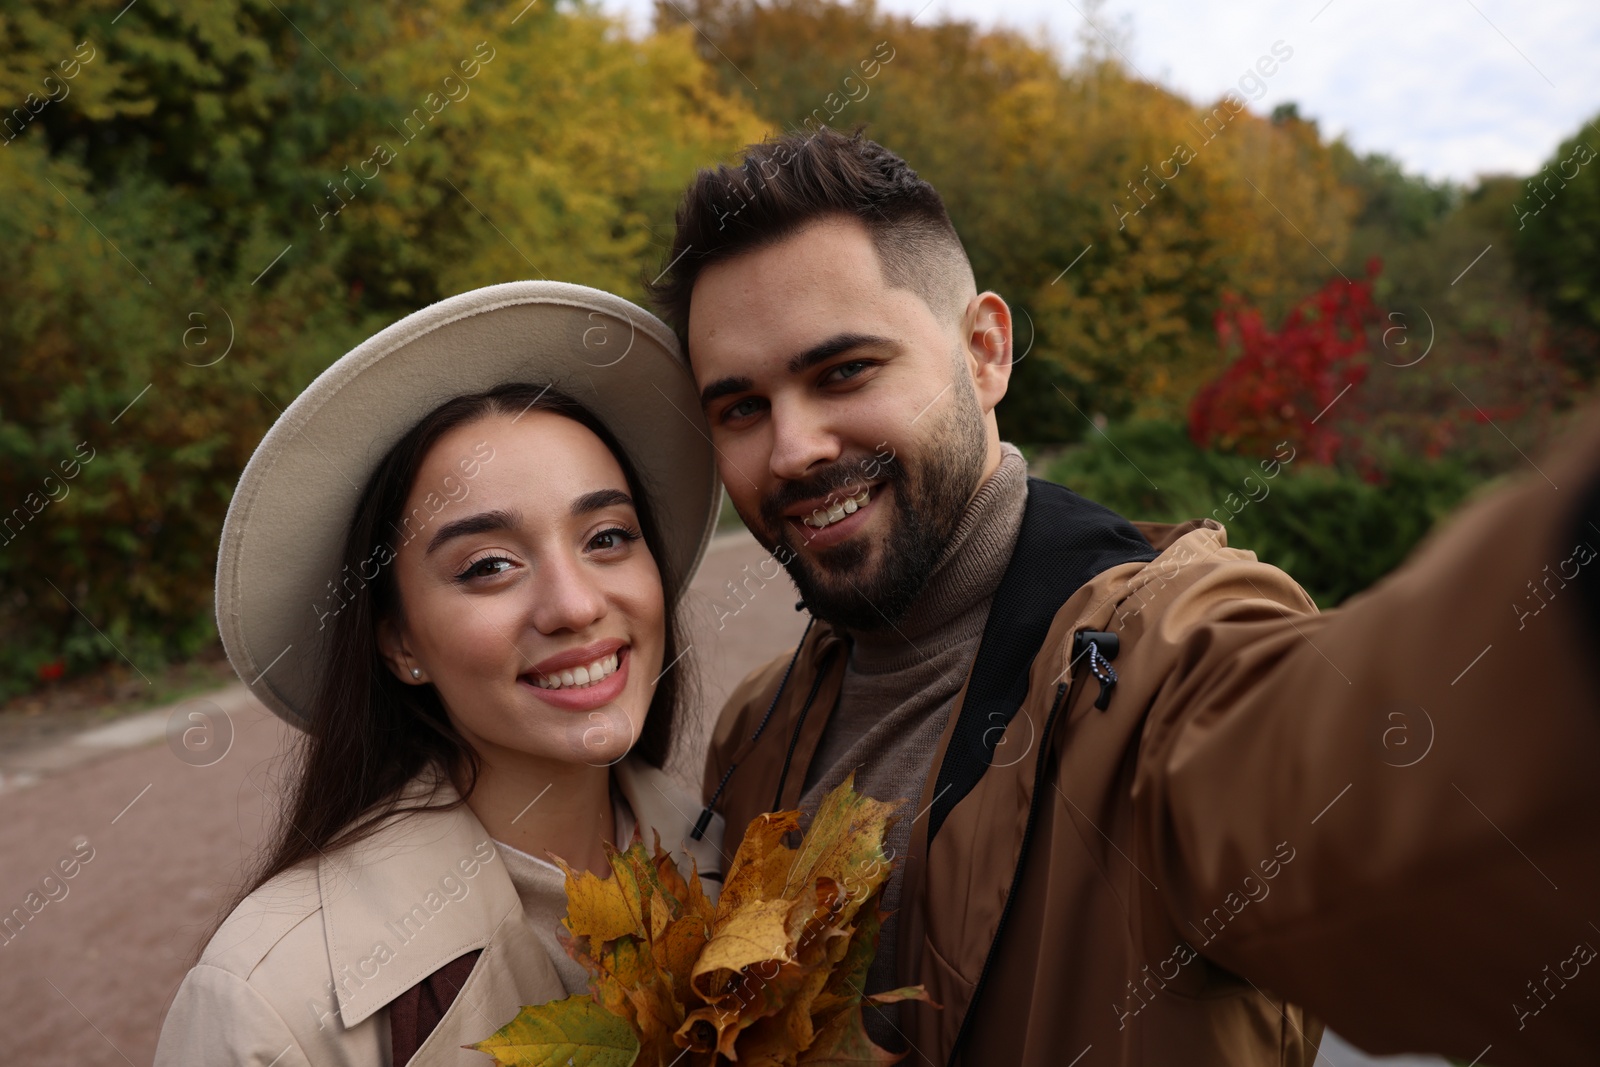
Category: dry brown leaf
[761,866]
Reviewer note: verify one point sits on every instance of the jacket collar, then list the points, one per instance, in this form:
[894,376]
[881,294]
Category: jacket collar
[430,886]
[1164,535]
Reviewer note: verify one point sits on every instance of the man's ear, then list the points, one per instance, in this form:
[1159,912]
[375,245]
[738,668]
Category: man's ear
[987,326]
[395,650]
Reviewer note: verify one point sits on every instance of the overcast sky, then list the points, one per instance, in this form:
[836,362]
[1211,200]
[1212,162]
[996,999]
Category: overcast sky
[1452,88]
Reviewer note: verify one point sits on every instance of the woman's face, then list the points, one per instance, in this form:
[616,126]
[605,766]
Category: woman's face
[529,599]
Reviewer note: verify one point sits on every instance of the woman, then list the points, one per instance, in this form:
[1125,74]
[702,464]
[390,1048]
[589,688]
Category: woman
[462,590]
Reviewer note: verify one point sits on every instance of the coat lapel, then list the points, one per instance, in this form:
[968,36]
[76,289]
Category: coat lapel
[425,889]
[513,971]
[430,887]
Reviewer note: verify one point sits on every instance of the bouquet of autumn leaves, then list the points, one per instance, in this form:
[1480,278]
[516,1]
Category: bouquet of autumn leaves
[772,974]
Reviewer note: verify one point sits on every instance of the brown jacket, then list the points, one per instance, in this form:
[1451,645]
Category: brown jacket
[1388,814]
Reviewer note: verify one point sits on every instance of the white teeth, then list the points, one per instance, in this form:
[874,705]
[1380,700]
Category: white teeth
[580,676]
[824,517]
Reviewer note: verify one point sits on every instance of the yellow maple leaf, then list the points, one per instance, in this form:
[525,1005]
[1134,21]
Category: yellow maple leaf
[676,950]
[755,934]
[844,843]
[575,1032]
[597,908]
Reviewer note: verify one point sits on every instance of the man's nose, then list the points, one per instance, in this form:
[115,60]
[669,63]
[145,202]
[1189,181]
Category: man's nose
[801,440]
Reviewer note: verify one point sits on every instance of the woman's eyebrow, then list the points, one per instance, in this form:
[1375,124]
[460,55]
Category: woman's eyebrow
[600,498]
[483,522]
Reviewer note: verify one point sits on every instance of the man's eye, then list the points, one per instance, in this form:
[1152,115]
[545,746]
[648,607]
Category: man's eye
[847,370]
[743,408]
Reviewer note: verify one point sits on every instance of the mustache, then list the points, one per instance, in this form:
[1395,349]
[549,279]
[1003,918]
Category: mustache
[845,474]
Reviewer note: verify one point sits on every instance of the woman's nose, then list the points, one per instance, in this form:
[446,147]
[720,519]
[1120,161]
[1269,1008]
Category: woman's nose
[566,597]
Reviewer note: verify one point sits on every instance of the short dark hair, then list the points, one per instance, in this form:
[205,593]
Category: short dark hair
[784,183]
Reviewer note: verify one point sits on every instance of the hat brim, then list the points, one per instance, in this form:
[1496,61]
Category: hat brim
[283,538]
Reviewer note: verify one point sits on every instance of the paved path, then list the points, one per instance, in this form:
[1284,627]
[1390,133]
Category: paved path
[159,842]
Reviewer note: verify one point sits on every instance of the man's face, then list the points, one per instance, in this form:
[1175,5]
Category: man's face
[848,431]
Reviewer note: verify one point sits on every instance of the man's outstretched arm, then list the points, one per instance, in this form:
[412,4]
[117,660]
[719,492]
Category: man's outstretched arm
[1390,813]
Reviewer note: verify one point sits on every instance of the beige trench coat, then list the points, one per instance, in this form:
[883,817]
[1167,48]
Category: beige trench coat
[303,970]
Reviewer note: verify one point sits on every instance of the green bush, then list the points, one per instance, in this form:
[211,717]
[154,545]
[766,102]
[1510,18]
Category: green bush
[204,223]
[1332,531]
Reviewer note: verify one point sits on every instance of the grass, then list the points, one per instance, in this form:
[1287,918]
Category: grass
[60,709]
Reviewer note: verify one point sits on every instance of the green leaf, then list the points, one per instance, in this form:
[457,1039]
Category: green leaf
[575,1032]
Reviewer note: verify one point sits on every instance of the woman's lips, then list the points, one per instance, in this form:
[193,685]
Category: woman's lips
[587,697]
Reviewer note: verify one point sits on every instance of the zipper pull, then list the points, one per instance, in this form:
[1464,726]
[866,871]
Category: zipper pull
[1102,648]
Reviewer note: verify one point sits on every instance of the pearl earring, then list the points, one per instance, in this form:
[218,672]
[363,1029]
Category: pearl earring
[416,673]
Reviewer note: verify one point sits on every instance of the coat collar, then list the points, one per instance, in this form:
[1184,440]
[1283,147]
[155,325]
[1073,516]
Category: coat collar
[429,887]
[660,805]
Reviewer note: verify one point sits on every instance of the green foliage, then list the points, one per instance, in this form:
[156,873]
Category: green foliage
[192,146]
[1458,336]
[118,446]
[1395,203]
[1557,233]
[1332,531]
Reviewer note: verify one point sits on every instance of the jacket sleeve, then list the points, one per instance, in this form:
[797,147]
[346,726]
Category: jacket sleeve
[219,1020]
[1390,813]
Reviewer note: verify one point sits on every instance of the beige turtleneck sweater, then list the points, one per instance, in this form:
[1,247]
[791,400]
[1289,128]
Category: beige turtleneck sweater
[543,891]
[900,683]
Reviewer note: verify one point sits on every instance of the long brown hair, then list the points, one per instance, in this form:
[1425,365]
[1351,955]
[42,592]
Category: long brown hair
[369,734]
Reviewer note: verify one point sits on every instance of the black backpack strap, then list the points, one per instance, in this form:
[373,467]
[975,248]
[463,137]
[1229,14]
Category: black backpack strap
[1065,541]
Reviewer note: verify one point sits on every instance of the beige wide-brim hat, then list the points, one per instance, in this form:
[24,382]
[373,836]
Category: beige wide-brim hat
[283,540]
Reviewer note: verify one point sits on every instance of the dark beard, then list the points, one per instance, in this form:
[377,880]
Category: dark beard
[841,585]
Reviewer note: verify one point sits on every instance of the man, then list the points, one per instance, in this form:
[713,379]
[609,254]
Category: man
[1194,853]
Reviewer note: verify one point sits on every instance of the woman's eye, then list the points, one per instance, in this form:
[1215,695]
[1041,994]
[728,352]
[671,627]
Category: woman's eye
[613,538]
[484,568]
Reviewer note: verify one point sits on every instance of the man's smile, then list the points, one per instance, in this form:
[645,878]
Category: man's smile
[829,520]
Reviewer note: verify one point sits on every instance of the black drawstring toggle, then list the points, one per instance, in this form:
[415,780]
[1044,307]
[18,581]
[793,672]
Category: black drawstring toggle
[1102,647]
[700,824]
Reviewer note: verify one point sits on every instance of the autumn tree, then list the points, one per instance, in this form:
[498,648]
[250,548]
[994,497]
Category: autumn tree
[1557,228]
[1158,206]
[223,197]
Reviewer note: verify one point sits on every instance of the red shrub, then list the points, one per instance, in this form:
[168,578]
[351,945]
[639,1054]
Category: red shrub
[1285,382]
